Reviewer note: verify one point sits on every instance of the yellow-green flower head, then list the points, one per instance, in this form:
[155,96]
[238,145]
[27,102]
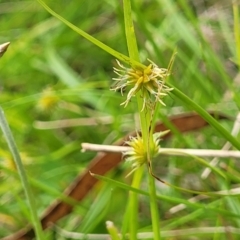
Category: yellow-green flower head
[138,154]
[48,100]
[150,80]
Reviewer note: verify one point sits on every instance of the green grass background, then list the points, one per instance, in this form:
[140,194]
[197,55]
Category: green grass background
[46,54]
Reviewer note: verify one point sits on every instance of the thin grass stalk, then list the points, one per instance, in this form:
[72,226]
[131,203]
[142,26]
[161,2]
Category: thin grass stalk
[133,202]
[16,156]
[213,122]
[90,38]
[133,52]
[145,122]
[236,31]
[112,231]
[153,207]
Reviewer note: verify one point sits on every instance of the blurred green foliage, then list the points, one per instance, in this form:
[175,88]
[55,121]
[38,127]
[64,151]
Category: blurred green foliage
[51,73]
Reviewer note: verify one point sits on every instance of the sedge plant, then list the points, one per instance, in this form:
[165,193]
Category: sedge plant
[148,85]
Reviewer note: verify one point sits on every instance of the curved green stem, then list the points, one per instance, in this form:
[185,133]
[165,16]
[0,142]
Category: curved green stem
[145,122]
[13,148]
[236,31]
[133,53]
[154,207]
[133,204]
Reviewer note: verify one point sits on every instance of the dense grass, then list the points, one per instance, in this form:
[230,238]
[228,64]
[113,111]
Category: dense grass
[51,73]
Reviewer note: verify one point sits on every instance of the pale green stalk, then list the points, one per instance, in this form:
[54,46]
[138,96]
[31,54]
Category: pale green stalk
[133,52]
[154,207]
[236,31]
[133,204]
[145,122]
[13,148]
[151,181]
[112,231]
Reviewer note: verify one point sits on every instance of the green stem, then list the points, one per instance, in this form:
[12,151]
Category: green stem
[133,202]
[133,53]
[147,136]
[145,122]
[236,31]
[154,207]
[13,148]
[112,231]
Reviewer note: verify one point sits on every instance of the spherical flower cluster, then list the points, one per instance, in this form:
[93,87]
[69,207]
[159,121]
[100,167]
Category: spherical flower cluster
[150,80]
[48,100]
[138,154]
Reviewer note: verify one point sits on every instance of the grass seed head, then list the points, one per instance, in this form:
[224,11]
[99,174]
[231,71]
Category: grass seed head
[138,154]
[48,100]
[150,80]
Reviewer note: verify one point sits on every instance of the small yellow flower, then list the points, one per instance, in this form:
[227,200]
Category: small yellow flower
[137,154]
[150,80]
[48,101]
